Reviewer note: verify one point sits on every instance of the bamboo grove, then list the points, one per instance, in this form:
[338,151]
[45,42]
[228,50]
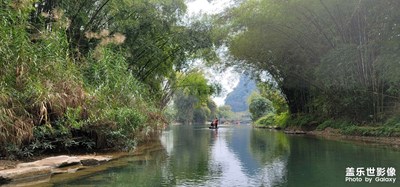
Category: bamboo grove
[333,59]
[94,74]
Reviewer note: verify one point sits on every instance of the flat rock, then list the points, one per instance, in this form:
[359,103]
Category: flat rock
[90,162]
[295,132]
[33,171]
[24,173]
[99,159]
[55,162]
[66,170]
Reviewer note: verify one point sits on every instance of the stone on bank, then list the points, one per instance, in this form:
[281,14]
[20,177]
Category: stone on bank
[32,171]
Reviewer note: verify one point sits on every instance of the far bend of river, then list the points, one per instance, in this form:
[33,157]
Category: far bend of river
[193,155]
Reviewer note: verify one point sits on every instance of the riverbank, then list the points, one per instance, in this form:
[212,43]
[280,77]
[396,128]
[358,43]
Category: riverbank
[387,133]
[41,169]
[335,134]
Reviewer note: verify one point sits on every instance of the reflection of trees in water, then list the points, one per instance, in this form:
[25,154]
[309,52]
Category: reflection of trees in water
[139,170]
[271,149]
[235,164]
[267,146]
[189,158]
[272,174]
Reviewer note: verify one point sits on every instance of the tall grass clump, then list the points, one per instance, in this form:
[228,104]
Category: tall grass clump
[38,79]
[50,102]
[122,114]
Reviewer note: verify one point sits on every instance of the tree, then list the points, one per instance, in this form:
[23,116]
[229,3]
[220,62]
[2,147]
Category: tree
[201,115]
[185,106]
[155,42]
[326,57]
[212,106]
[259,106]
[192,99]
[77,75]
[225,112]
[269,91]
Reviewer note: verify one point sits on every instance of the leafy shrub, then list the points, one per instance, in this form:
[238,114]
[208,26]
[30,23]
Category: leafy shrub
[260,106]
[393,122]
[336,124]
[119,103]
[303,120]
[282,118]
[267,120]
[49,103]
[201,114]
[273,119]
[371,131]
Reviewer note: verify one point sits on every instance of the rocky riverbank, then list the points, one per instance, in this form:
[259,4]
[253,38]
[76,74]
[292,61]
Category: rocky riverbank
[34,172]
[44,169]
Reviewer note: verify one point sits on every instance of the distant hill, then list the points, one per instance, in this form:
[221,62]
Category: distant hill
[237,99]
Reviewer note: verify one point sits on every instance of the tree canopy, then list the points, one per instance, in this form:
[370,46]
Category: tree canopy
[93,74]
[333,58]
[192,100]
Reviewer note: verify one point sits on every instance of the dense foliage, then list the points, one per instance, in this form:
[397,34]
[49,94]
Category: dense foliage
[329,58]
[79,75]
[259,106]
[192,102]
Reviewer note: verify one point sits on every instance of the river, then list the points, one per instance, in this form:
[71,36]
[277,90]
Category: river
[193,155]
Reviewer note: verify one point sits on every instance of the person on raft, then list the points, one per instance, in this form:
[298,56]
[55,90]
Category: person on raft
[214,123]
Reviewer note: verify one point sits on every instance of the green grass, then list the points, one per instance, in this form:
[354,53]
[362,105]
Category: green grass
[371,131]
[335,124]
[304,121]
[390,129]
[393,122]
[272,120]
[268,120]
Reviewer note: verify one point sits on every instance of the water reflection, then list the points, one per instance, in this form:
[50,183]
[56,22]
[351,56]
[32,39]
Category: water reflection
[318,162]
[188,155]
[232,155]
[233,159]
[237,156]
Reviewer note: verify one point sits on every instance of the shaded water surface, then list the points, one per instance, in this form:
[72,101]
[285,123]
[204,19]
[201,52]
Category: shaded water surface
[190,155]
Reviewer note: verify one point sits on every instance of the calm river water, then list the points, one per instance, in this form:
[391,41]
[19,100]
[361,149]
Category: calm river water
[190,155]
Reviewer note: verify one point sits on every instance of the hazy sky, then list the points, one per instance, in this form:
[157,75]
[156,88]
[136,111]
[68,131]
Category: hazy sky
[203,6]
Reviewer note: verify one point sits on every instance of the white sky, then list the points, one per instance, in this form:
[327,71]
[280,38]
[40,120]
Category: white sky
[203,6]
[228,78]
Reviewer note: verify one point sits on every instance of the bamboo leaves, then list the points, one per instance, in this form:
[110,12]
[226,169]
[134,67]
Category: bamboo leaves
[343,53]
